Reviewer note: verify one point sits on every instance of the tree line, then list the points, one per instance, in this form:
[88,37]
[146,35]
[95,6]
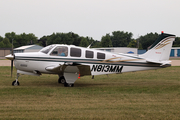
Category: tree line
[115,39]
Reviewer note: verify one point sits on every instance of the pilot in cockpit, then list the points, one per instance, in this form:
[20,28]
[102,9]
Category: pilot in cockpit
[61,52]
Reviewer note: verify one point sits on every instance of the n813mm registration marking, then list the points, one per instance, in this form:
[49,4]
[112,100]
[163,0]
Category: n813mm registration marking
[106,68]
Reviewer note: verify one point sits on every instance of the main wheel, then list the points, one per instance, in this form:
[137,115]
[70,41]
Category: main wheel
[68,85]
[61,80]
[14,83]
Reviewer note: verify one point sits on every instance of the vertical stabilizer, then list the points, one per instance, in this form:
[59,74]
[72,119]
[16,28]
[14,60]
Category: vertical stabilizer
[160,49]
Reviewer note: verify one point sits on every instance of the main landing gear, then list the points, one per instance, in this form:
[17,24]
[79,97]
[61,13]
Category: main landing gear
[69,76]
[16,82]
[63,81]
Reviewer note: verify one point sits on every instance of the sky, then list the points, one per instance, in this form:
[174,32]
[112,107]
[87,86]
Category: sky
[92,18]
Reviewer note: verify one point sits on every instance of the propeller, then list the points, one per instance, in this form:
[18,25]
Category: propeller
[12,53]
[11,57]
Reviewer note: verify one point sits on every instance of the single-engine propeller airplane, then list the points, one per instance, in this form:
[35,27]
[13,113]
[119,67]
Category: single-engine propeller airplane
[69,61]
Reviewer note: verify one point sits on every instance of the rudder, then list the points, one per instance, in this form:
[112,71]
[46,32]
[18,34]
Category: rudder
[160,49]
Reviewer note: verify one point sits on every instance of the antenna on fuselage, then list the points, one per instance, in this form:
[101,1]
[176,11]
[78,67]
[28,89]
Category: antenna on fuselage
[90,45]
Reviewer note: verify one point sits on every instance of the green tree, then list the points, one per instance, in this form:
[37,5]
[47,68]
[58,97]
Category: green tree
[1,38]
[90,40]
[6,42]
[31,39]
[106,41]
[176,43]
[148,40]
[24,39]
[2,44]
[121,38]
[11,36]
[76,38]
[84,42]
[68,38]
[96,44]
[43,41]
[132,44]
[60,38]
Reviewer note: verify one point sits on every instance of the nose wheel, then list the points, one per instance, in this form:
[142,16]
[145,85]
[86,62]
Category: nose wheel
[16,82]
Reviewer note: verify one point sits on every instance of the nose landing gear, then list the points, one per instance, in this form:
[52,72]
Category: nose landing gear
[16,82]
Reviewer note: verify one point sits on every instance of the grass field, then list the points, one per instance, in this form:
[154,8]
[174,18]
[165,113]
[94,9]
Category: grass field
[146,95]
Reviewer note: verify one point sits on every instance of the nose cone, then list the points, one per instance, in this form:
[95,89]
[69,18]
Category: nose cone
[10,57]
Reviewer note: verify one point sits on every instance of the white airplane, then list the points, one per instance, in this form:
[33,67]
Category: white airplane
[69,61]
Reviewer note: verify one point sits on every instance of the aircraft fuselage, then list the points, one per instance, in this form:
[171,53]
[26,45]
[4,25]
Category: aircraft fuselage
[105,63]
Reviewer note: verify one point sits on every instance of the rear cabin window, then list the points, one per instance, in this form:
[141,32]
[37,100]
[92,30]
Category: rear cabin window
[89,54]
[75,52]
[100,55]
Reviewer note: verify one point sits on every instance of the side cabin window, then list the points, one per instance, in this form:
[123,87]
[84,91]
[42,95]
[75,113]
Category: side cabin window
[100,55]
[60,51]
[89,54]
[75,52]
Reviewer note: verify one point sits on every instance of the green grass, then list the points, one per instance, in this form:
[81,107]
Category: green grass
[153,94]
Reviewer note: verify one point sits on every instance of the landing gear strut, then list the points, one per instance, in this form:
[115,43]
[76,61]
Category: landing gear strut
[70,74]
[16,82]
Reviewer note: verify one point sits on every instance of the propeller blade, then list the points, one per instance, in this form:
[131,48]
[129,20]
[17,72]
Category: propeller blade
[11,68]
[12,53]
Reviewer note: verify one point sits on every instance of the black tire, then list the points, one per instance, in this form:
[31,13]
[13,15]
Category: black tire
[65,84]
[68,85]
[61,80]
[15,84]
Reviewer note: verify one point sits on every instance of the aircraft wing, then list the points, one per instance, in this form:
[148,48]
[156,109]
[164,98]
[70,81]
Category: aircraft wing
[83,69]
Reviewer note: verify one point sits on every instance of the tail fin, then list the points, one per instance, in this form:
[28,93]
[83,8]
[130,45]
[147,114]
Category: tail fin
[159,52]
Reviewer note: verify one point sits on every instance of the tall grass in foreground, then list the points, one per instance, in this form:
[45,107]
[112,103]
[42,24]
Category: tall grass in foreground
[153,94]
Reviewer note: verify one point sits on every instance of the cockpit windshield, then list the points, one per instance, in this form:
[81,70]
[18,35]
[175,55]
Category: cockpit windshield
[47,49]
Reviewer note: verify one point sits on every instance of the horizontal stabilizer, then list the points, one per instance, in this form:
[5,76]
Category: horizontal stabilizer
[158,62]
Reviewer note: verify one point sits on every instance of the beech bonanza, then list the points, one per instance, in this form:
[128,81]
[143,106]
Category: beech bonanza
[69,61]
